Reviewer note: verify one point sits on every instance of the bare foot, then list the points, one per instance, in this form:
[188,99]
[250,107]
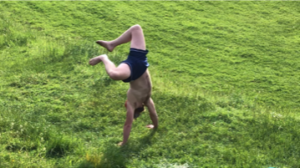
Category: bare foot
[106,44]
[150,126]
[97,59]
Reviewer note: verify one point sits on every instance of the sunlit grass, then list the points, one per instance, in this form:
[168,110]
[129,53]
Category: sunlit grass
[224,84]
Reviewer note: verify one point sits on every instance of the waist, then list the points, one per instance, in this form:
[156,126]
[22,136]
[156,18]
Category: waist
[137,53]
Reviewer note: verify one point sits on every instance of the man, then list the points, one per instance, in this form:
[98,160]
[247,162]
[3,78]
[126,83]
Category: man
[133,70]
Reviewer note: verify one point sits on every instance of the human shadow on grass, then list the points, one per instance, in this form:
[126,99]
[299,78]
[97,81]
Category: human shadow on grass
[115,156]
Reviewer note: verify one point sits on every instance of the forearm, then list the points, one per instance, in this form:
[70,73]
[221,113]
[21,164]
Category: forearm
[154,119]
[126,132]
[153,114]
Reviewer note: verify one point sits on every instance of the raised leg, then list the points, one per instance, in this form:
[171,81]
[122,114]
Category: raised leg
[116,73]
[134,35]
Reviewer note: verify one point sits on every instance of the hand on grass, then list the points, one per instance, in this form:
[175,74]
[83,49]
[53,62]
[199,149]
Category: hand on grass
[150,126]
[120,144]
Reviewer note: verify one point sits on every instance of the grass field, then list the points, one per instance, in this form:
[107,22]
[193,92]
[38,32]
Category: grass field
[225,83]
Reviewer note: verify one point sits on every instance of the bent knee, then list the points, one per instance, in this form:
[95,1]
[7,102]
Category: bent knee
[114,75]
[136,27]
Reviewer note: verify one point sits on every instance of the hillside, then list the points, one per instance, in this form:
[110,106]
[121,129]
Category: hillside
[225,83]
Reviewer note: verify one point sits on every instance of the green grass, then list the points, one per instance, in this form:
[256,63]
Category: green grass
[225,84]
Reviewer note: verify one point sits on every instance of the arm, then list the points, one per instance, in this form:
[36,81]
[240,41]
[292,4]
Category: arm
[127,125]
[153,115]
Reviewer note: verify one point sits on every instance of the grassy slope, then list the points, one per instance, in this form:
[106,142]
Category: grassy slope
[243,52]
[217,69]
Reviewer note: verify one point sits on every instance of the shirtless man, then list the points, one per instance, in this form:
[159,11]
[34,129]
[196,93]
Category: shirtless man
[133,70]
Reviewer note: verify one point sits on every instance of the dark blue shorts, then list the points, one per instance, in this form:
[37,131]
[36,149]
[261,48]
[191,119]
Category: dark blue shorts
[137,61]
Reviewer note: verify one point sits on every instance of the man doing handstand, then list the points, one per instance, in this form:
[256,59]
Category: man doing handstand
[133,70]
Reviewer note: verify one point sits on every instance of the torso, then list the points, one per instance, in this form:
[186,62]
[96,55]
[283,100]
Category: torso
[140,90]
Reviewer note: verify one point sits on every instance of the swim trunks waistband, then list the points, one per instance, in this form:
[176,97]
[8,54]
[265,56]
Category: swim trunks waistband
[138,53]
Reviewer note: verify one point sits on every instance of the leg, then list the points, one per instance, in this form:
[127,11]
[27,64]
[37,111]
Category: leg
[116,73]
[153,115]
[134,34]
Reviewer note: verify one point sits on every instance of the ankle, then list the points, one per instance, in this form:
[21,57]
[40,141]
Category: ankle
[112,44]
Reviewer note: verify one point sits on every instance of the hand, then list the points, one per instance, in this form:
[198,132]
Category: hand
[150,126]
[120,144]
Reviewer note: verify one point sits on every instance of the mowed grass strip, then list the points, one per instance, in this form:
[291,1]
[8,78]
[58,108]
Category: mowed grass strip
[57,111]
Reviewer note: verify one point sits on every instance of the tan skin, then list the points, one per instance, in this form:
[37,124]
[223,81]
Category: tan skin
[139,93]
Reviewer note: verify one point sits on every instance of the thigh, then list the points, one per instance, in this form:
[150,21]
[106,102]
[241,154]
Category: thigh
[138,40]
[123,71]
